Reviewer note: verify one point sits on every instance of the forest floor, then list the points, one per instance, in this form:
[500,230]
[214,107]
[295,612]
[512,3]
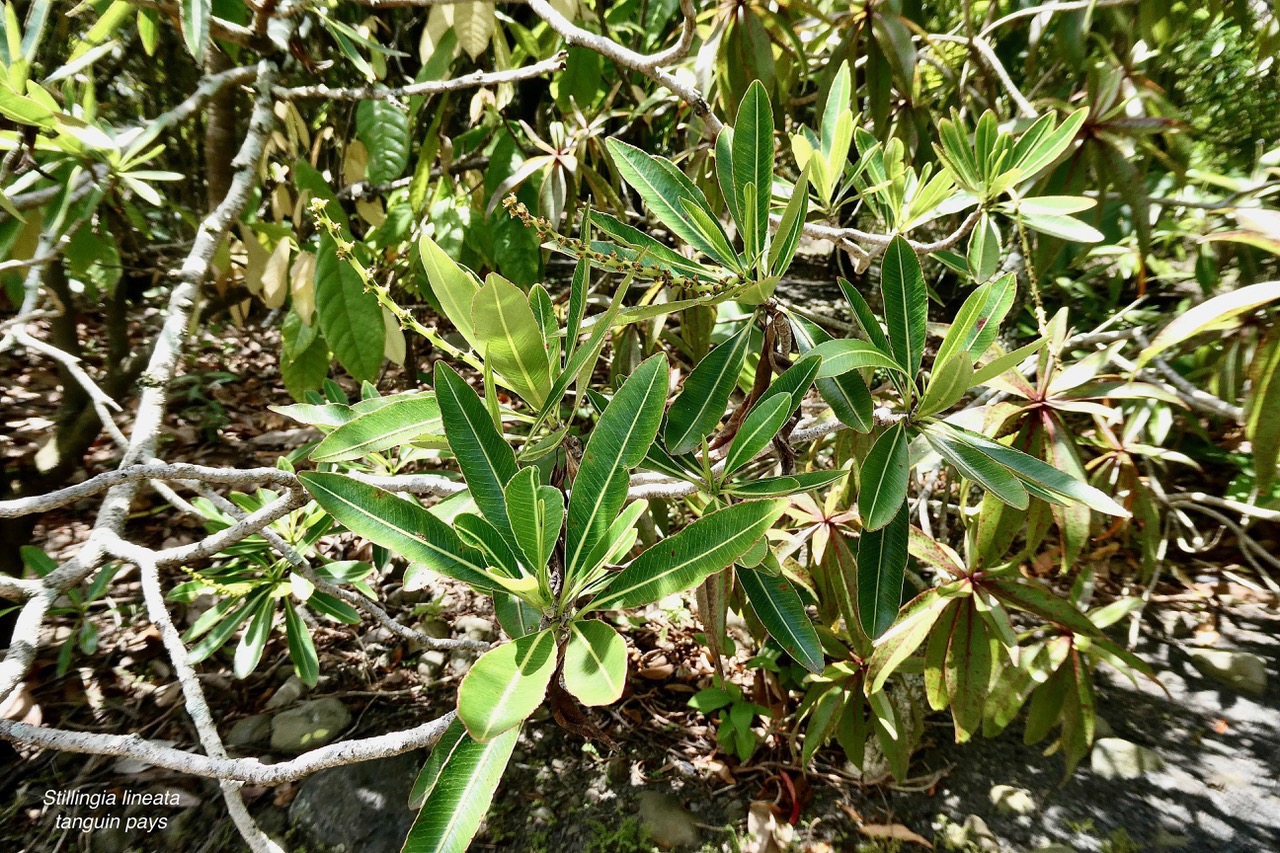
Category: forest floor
[1188,765]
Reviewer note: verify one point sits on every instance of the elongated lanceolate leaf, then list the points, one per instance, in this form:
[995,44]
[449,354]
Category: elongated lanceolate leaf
[906,304]
[454,287]
[536,513]
[398,422]
[595,663]
[665,190]
[705,394]
[619,441]
[884,478]
[757,430]
[844,354]
[510,339]
[753,165]
[403,527]
[1209,314]
[455,789]
[882,565]
[682,561]
[506,685]
[976,466]
[780,610]
[488,463]
[195,25]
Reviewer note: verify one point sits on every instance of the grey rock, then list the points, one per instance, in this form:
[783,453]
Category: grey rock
[288,693]
[1117,758]
[1242,671]
[475,628]
[311,724]
[362,807]
[431,664]
[666,821]
[973,834]
[250,731]
[1012,801]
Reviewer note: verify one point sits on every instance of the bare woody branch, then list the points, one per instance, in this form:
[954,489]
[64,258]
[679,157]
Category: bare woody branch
[475,80]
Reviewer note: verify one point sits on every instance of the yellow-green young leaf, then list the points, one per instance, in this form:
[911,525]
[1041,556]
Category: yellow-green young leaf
[681,561]
[398,422]
[474,24]
[1062,227]
[882,566]
[477,532]
[906,304]
[1262,412]
[1209,315]
[350,318]
[914,624]
[536,513]
[488,463]
[398,525]
[702,400]
[511,340]
[1041,144]
[454,287]
[506,685]
[978,320]
[984,249]
[884,478]
[455,788]
[949,382]
[781,611]
[619,441]
[595,663]
[784,246]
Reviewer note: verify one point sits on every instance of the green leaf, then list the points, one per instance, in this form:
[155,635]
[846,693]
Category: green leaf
[301,649]
[777,487]
[758,429]
[398,422]
[254,641]
[454,287]
[195,25]
[978,320]
[478,532]
[984,250]
[396,524]
[780,610]
[783,249]
[506,685]
[702,400]
[1034,472]
[350,318]
[516,616]
[884,478]
[906,304]
[654,253]
[846,394]
[905,636]
[536,513]
[488,463]
[967,670]
[1209,315]
[1040,146]
[724,171]
[595,662]
[1001,365]
[863,314]
[882,565]
[455,789]
[1062,227]
[664,189]
[976,466]
[383,126]
[844,354]
[511,340]
[619,441]
[681,561]
[1039,600]
[753,164]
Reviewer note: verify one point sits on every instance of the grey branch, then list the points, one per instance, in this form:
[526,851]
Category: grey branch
[431,87]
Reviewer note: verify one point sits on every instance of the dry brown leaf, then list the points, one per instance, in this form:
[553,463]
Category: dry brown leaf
[896,831]
[765,833]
